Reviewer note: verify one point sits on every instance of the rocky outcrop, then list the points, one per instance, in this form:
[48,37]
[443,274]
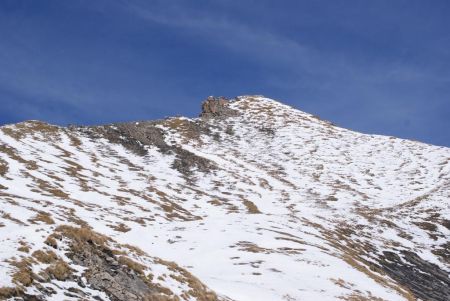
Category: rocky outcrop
[135,136]
[105,273]
[112,271]
[424,279]
[217,107]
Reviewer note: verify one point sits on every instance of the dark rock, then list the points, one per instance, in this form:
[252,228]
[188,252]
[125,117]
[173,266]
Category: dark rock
[186,160]
[229,130]
[267,131]
[425,280]
[26,297]
[104,274]
[217,107]
[446,223]
[135,136]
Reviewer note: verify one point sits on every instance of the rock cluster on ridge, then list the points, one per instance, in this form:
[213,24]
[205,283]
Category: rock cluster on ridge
[217,106]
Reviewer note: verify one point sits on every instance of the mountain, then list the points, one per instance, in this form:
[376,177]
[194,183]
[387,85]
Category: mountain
[253,200]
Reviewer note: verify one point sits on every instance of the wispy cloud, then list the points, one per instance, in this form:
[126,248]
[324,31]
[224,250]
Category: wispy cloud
[270,48]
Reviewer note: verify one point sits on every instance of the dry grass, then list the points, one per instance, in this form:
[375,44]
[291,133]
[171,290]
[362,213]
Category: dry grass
[53,191]
[9,292]
[251,207]
[197,290]
[45,256]
[132,265]
[12,153]
[24,274]
[81,235]
[23,129]
[223,202]
[265,184]
[186,128]
[121,228]
[74,141]
[175,211]
[134,249]
[358,297]
[51,241]
[74,170]
[215,202]
[42,216]
[59,270]
[3,167]
[9,217]
[23,247]
[253,248]
[332,198]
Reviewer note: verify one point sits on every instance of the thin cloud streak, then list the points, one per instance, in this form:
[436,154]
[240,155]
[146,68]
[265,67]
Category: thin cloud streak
[271,49]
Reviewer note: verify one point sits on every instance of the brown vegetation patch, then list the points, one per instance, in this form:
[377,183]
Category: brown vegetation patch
[74,141]
[251,247]
[223,202]
[46,187]
[21,130]
[332,198]
[9,217]
[251,207]
[198,290]
[188,129]
[265,184]
[51,241]
[9,292]
[59,270]
[121,227]
[357,296]
[23,247]
[42,216]
[45,256]
[82,235]
[175,211]
[12,153]
[215,202]
[23,274]
[132,265]
[3,167]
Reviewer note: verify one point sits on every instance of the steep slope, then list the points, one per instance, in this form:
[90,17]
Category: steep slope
[258,200]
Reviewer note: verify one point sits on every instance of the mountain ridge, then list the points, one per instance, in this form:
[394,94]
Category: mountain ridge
[297,208]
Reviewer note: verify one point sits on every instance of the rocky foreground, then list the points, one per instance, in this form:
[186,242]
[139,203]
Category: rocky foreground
[253,200]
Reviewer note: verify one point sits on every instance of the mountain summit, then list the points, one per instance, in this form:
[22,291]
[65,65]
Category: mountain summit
[253,200]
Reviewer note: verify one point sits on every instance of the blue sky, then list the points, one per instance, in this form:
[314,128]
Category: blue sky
[373,66]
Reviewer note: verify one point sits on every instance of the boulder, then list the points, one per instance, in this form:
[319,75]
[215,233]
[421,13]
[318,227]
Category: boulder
[217,107]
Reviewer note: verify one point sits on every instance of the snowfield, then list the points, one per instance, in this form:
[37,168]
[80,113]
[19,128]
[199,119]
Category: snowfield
[268,203]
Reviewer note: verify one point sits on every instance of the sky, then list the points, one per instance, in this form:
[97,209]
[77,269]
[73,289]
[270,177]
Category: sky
[378,67]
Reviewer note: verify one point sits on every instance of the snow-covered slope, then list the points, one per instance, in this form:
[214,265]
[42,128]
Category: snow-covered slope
[253,201]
